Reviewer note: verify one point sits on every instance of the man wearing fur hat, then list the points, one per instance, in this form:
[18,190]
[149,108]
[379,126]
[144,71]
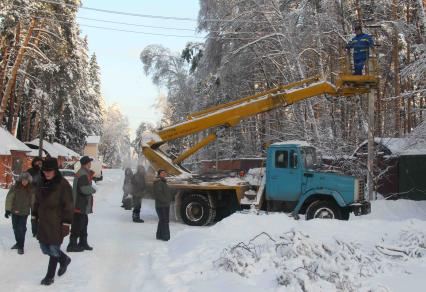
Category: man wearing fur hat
[53,210]
[19,201]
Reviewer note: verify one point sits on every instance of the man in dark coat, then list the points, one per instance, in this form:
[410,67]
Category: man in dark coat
[53,211]
[35,170]
[138,183]
[83,203]
[163,199]
[361,44]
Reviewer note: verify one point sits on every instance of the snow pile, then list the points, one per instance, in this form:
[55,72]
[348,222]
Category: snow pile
[254,176]
[302,264]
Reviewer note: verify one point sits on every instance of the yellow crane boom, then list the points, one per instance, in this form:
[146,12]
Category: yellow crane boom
[230,114]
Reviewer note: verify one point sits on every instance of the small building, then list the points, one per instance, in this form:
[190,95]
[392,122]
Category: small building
[401,166]
[92,146]
[49,149]
[70,154]
[13,158]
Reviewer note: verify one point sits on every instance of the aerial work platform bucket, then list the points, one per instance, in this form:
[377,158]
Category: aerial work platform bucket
[350,84]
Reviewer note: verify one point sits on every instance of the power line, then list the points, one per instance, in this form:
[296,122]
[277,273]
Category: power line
[152,16]
[138,25]
[141,32]
[119,12]
[134,24]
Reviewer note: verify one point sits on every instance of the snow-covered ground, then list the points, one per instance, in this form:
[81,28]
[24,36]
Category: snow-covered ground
[384,251]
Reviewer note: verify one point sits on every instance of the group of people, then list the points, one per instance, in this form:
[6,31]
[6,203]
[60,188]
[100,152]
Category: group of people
[134,189]
[56,208]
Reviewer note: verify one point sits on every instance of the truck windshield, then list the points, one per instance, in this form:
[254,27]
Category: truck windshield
[309,157]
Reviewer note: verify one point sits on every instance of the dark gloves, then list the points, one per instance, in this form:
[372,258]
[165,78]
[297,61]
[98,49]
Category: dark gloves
[34,227]
[65,230]
[7,214]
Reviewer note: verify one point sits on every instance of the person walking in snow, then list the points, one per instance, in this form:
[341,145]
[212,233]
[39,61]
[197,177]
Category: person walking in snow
[83,206]
[361,44]
[138,183]
[35,170]
[19,201]
[53,212]
[127,189]
[163,199]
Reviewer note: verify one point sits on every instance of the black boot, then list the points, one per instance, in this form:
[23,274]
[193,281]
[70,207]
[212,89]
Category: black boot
[64,261]
[73,246]
[137,218]
[51,269]
[20,251]
[15,246]
[83,244]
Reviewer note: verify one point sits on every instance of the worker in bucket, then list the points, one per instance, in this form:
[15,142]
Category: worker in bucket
[360,43]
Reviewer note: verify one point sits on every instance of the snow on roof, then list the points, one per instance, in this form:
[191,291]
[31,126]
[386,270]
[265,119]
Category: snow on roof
[34,153]
[293,142]
[8,142]
[64,149]
[93,139]
[400,146]
[49,148]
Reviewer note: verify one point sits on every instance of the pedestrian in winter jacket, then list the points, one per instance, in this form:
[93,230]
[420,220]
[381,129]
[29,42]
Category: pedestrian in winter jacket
[35,170]
[53,211]
[163,200]
[83,205]
[19,201]
[127,189]
[138,183]
[361,44]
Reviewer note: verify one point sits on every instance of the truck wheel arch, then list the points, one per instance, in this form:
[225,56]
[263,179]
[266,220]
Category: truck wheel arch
[309,197]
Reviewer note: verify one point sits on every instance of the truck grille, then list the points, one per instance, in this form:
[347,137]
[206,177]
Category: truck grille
[361,189]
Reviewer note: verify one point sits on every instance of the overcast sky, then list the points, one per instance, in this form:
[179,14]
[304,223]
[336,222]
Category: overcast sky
[123,80]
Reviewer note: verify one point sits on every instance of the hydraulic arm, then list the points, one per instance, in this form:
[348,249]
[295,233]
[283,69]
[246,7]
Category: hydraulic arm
[230,114]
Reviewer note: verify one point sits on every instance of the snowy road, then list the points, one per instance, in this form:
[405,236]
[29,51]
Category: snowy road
[121,248]
[128,258]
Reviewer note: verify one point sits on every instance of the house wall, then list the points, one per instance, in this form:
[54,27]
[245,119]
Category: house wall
[5,171]
[91,150]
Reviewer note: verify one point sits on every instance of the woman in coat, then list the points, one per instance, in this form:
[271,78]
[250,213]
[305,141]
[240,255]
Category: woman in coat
[53,213]
[18,204]
[127,189]
[138,188]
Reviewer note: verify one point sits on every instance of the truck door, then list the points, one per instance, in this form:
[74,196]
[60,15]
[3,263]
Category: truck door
[283,179]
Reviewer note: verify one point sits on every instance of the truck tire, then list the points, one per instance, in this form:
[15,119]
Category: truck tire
[323,210]
[196,210]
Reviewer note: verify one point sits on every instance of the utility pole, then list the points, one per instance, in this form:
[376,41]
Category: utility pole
[370,158]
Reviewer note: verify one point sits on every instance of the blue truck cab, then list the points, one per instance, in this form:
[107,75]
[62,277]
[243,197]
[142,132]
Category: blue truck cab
[296,183]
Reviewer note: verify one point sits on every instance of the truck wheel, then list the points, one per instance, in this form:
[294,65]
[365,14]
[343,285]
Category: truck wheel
[323,210]
[196,210]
